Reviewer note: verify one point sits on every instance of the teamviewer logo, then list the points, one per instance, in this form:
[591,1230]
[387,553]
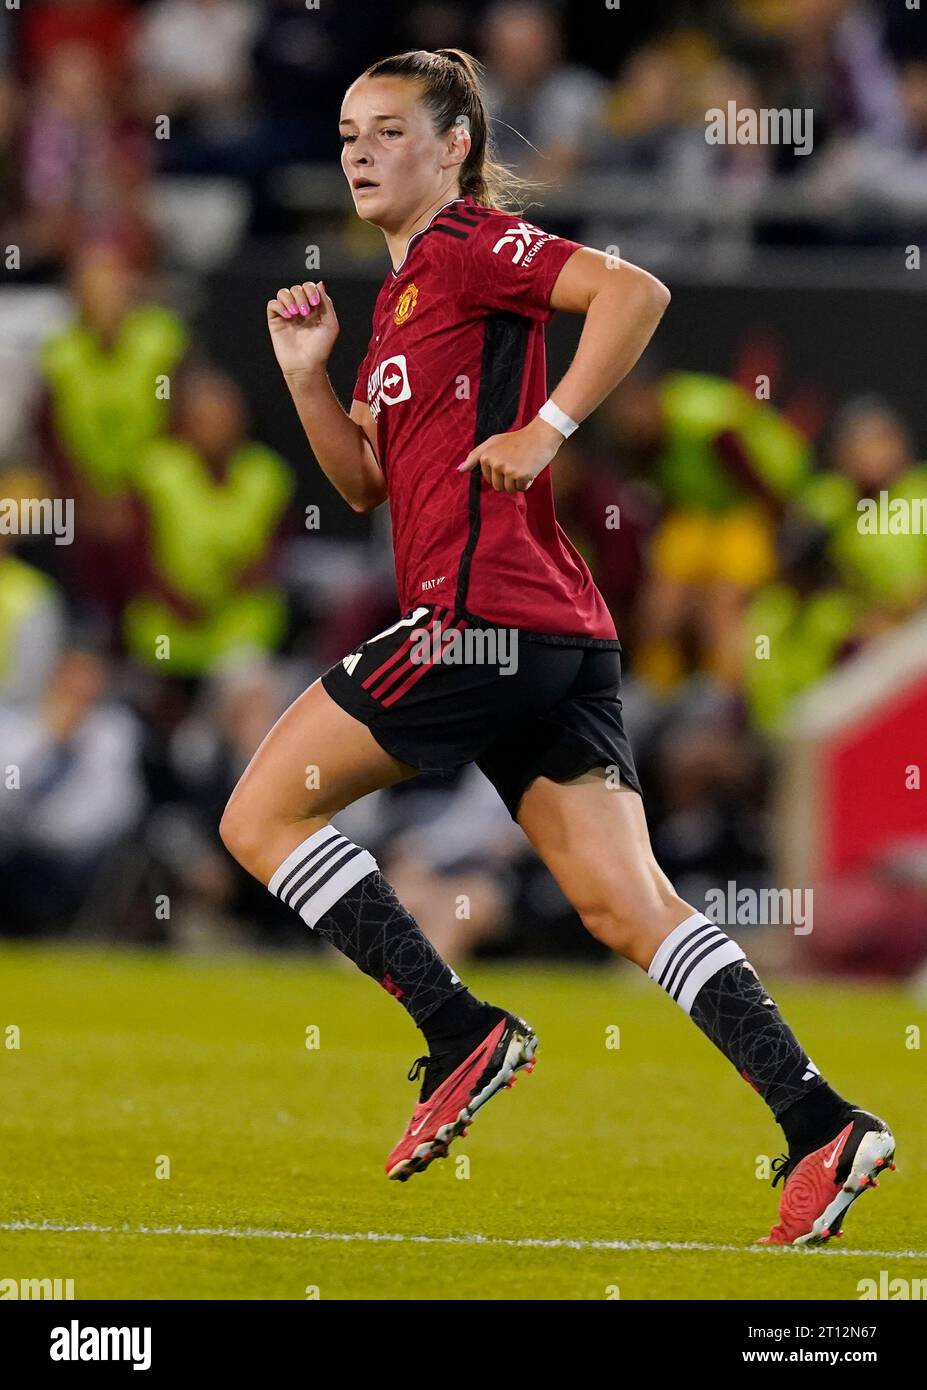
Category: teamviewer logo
[389,384]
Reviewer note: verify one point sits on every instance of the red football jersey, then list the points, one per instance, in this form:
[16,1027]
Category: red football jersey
[457,355]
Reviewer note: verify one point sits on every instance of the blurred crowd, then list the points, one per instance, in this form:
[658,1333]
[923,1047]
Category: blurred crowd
[142,663]
[177,126]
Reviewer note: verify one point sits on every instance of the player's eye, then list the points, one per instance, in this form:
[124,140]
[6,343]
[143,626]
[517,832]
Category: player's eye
[387,130]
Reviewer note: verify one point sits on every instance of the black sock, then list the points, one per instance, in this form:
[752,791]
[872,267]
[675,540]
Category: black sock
[810,1122]
[458,1018]
[709,976]
[337,889]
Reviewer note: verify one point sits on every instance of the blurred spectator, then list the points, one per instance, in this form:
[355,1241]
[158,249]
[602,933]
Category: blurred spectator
[607,519]
[193,756]
[796,628]
[648,119]
[836,64]
[891,176]
[85,163]
[842,583]
[725,463]
[453,870]
[31,622]
[547,102]
[691,500]
[872,458]
[212,501]
[11,98]
[303,60]
[107,379]
[193,60]
[708,799]
[103,26]
[78,794]
[440,24]
[108,372]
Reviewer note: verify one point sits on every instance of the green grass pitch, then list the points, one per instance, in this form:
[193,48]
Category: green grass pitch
[626,1171]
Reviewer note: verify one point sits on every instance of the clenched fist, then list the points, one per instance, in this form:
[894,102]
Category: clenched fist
[303,327]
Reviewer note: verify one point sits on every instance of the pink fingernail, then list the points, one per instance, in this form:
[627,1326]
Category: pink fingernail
[315,301]
[304,309]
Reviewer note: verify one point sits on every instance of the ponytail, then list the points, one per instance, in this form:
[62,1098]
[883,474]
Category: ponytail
[451,83]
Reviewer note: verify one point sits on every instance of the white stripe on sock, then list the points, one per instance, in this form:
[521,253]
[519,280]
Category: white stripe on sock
[317,904]
[692,953]
[341,864]
[301,852]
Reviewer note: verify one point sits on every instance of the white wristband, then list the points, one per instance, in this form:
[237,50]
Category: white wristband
[558,418]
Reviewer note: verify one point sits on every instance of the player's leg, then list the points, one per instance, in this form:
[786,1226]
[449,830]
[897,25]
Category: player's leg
[558,777]
[593,837]
[317,759]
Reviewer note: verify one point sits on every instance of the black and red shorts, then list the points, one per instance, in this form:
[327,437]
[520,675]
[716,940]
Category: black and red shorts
[437,691]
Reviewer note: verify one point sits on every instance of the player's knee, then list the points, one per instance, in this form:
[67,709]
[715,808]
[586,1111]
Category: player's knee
[632,924]
[241,833]
[615,926]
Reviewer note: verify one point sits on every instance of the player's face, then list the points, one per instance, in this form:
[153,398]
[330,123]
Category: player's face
[388,138]
[874,452]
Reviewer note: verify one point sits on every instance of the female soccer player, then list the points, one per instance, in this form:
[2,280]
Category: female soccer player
[451,423]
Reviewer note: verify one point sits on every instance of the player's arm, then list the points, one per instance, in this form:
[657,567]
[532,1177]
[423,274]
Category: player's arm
[303,334]
[343,444]
[360,414]
[622,305]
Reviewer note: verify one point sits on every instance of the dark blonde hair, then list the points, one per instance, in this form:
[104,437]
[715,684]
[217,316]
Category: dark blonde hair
[451,90]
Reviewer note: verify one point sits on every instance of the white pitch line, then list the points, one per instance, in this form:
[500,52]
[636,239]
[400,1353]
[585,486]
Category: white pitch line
[529,1243]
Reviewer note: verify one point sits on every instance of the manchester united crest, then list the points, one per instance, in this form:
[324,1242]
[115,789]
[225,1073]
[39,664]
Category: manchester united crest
[407,302]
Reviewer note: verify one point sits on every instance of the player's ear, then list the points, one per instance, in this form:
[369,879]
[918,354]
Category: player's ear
[460,137]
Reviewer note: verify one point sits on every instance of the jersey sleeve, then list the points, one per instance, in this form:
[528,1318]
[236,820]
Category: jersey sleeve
[513,266]
[360,384]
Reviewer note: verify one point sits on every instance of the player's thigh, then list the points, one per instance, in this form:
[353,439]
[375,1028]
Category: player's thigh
[592,835]
[316,760]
